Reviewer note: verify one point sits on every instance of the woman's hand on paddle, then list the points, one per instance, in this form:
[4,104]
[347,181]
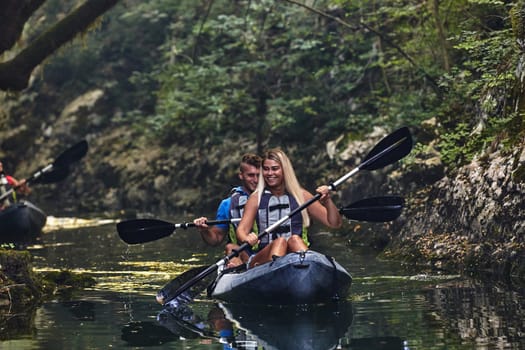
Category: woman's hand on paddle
[324,191]
[325,211]
[252,239]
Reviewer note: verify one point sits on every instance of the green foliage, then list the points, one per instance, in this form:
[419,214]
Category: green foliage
[456,146]
[275,73]
[266,78]
[481,87]
[459,145]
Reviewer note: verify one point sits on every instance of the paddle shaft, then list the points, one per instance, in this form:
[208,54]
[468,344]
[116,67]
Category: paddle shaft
[333,186]
[376,209]
[185,225]
[28,180]
[72,154]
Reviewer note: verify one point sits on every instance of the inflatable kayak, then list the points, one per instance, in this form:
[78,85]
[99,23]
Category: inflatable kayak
[21,221]
[297,278]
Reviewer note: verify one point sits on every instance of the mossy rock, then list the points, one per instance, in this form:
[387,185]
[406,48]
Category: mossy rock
[65,283]
[69,279]
[20,287]
[18,283]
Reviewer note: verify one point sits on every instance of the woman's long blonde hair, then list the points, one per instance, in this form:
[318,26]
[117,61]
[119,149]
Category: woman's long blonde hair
[291,184]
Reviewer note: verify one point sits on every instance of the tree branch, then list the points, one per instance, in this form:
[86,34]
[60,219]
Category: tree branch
[13,15]
[15,74]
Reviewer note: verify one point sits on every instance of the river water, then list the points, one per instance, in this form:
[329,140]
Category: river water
[390,306]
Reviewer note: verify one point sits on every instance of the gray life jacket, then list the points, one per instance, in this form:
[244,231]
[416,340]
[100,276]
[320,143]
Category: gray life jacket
[237,203]
[4,187]
[272,209]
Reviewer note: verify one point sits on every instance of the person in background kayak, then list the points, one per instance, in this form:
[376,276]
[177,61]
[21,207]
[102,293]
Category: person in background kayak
[279,193]
[6,183]
[232,207]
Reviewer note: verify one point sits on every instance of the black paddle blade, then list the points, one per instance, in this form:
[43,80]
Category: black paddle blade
[376,209]
[56,174]
[389,150]
[71,155]
[138,231]
[170,291]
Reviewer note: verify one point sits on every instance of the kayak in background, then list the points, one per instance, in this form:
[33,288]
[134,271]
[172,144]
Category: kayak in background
[21,221]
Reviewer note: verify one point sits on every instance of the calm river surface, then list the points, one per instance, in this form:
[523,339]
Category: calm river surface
[389,307]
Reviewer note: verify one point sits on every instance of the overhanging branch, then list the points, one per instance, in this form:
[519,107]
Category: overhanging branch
[15,74]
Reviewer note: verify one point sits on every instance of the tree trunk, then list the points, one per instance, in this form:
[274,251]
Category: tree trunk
[15,74]
[13,16]
[441,35]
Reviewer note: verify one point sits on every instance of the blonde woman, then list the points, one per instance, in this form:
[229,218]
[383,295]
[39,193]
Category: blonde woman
[278,193]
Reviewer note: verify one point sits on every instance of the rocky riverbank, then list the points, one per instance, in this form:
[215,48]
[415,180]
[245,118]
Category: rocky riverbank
[471,221]
[21,290]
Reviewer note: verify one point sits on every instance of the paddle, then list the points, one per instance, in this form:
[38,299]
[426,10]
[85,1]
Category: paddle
[389,150]
[167,291]
[58,170]
[376,209]
[137,231]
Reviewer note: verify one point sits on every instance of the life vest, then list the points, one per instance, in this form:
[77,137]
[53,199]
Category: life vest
[6,183]
[272,209]
[238,200]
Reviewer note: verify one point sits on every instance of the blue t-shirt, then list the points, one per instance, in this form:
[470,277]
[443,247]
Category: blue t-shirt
[223,212]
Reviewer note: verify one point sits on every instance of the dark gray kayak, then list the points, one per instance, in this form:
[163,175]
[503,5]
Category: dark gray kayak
[21,221]
[297,278]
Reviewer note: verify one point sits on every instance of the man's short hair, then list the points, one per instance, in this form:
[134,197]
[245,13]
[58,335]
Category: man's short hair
[251,159]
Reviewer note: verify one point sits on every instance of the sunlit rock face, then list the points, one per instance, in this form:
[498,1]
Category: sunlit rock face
[473,219]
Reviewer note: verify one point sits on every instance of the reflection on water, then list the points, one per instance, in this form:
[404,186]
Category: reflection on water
[391,307]
[312,327]
[235,326]
[63,223]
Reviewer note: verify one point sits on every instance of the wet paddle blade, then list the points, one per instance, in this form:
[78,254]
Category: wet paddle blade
[376,209]
[389,150]
[138,231]
[170,292]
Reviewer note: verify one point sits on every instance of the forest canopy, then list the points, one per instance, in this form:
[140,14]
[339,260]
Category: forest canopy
[298,72]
